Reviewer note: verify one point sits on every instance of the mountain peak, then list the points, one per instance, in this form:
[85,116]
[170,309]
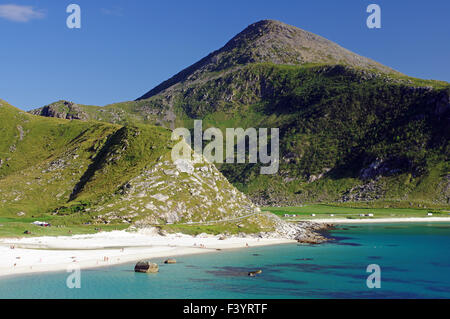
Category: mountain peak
[273,42]
[260,29]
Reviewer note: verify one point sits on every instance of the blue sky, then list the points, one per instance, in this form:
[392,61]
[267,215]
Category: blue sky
[126,47]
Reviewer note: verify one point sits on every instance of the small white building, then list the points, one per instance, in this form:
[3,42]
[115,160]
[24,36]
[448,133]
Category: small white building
[370,215]
[313,215]
[332,215]
[430,214]
[42,224]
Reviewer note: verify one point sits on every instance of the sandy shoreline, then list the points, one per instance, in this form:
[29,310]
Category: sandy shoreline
[50,254]
[381,220]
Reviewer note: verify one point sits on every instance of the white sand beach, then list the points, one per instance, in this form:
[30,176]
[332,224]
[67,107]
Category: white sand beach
[42,254]
[380,220]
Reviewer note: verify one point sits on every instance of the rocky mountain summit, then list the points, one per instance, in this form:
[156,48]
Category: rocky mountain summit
[269,41]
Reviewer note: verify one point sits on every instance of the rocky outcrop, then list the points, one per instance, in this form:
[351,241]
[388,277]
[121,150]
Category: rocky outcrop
[304,231]
[145,266]
[63,110]
[314,232]
[370,191]
[381,167]
[178,192]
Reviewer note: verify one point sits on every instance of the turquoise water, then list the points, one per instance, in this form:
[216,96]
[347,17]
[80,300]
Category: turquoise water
[414,261]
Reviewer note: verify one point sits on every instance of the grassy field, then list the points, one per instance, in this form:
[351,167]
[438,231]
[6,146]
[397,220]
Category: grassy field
[326,211]
[16,227]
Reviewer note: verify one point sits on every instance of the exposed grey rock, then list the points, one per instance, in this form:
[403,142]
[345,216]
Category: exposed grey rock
[184,166]
[145,266]
[63,110]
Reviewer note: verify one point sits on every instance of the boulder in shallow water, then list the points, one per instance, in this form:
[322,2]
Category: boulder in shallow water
[254,273]
[146,267]
[170,261]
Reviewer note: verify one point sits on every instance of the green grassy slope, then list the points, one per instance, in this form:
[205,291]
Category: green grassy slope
[83,175]
[336,124]
[335,121]
[154,112]
[351,128]
[43,158]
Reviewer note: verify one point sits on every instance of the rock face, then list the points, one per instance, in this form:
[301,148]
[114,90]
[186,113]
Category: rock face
[369,191]
[145,266]
[382,167]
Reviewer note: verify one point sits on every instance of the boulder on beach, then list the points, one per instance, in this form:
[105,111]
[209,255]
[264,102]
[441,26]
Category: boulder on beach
[146,267]
[170,261]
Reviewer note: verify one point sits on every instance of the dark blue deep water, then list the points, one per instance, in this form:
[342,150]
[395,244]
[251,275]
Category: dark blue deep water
[414,260]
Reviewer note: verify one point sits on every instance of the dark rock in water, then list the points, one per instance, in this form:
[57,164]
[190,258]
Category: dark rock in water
[308,241]
[146,267]
[170,261]
[254,273]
